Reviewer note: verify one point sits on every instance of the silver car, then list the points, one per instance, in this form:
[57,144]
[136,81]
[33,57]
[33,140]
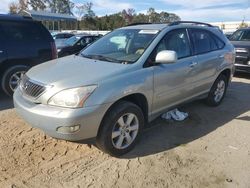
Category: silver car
[126,79]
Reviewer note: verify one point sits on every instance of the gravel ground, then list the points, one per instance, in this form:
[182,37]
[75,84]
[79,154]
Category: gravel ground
[209,149]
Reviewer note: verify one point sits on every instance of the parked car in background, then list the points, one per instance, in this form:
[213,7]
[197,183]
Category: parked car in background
[241,41]
[62,36]
[74,44]
[23,44]
[124,80]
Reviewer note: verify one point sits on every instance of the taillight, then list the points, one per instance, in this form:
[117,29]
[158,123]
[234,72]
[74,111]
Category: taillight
[230,57]
[53,50]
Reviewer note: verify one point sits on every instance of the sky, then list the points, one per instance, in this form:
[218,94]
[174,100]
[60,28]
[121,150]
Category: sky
[196,10]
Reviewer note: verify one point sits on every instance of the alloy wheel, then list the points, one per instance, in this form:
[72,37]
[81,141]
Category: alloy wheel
[125,131]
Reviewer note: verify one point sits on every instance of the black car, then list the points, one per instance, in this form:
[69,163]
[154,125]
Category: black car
[74,44]
[23,44]
[63,36]
[241,41]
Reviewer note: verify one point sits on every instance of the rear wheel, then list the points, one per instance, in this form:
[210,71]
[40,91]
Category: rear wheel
[120,129]
[218,91]
[11,78]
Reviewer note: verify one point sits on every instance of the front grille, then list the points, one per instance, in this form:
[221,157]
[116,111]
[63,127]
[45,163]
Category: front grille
[31,88]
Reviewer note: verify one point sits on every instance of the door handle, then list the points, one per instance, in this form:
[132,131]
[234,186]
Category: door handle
[193,64]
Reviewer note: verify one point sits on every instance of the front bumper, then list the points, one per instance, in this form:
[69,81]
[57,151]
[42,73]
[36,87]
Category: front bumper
[242,62]
[242,68]
[49,118]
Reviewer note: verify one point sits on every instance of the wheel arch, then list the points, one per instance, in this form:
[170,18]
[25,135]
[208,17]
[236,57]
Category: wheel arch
[137,98]
[227,73]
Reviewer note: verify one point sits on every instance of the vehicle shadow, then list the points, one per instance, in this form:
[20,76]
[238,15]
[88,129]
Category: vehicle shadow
[5,102]
[162,135]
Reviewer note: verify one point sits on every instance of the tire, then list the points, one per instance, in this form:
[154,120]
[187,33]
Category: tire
[218,91]
[124,137]
[9,75]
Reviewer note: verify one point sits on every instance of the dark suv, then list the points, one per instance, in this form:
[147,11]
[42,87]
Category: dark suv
[23,44]
[241,41]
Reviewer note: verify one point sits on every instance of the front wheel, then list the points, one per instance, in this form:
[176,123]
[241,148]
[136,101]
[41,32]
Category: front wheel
[218,91]
[120,129]
[11,78]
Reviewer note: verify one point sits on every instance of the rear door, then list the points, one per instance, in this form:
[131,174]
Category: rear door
[209,52]
[172,81]
[3,51]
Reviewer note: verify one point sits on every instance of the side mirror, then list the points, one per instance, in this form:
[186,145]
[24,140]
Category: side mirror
[166,57]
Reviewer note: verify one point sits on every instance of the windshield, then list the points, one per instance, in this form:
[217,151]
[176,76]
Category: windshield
[72,40]
[241,35]
[121,46]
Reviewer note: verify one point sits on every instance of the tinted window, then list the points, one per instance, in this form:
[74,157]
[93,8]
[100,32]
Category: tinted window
[176,41]
[203,41]
[22,31]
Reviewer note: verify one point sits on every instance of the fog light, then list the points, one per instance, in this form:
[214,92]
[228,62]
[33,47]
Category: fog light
[69,129]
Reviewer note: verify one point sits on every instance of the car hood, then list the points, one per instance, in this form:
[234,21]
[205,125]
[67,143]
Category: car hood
[74,71]
[241,44]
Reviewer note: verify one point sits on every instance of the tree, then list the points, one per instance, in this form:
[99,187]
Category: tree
[37,4]
[61,6]
[243,25]
[13,8]
[89,13]
[79,11]
[128,15]
[152,15]
[23,4]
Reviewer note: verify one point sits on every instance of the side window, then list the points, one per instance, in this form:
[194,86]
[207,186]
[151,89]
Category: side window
[203,41]
[177,41]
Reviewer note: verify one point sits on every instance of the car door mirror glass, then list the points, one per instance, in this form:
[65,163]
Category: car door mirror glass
[166,57]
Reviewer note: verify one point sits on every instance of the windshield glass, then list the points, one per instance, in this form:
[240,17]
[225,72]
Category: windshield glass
[72,40]
[121,46]
[241,35]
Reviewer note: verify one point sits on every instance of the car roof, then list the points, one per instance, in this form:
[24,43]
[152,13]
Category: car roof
[178,24]
[147,26]
[64,33]
[85,35]
[15,17]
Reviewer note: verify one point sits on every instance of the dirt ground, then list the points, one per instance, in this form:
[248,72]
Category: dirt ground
[209,149]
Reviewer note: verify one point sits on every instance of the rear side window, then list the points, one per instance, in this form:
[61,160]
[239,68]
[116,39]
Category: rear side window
[204,41]
[23,31]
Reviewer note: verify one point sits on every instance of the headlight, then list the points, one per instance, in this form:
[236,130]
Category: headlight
[72,98]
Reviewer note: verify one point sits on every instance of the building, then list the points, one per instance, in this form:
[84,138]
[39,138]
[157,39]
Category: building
[229,27]
[53,21]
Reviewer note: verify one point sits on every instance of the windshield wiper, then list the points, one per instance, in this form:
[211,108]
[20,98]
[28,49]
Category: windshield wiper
[102,58]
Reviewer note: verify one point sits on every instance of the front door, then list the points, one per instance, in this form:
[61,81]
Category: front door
[172,81]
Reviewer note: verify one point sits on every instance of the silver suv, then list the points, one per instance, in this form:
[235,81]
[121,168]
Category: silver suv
[124,80]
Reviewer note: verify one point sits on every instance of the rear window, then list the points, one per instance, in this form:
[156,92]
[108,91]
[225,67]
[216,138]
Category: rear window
[24,31]
[205,41]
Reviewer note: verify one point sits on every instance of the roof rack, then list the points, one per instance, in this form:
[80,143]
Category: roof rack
[190,22]
[139,23]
